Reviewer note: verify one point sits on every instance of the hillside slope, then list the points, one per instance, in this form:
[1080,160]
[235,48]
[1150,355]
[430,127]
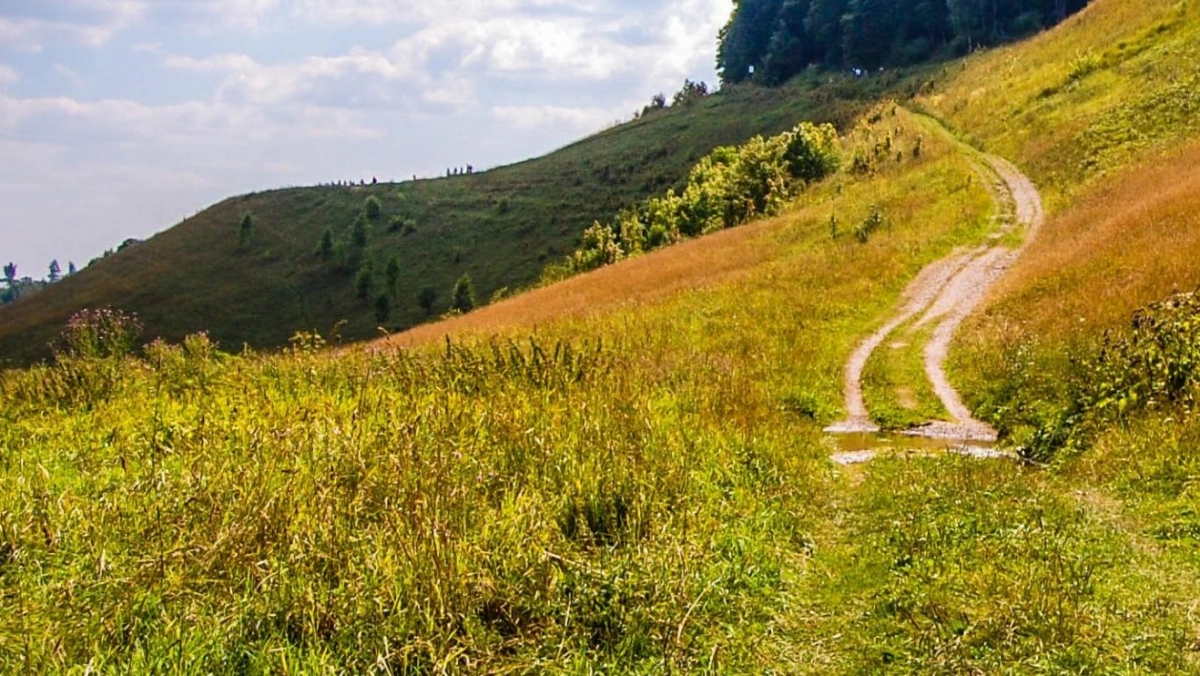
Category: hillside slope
[626,473]
[501,227]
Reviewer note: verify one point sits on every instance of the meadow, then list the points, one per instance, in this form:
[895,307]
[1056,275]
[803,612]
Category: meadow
[625,472]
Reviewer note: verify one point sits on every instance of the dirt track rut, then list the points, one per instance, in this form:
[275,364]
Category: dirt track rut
[944,294]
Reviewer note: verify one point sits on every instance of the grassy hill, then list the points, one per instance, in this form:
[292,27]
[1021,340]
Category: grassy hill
[626,473]
[501,227]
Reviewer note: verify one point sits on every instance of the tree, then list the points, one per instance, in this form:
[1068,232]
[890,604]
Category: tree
[691,92]
[393,273]
[364,279]
[71,268]
[744,41]
[372,208]
[426,298]
[790,50]
[245,230]
[10,274]
[383,307]
[823,26]
[868,32]
[464,294]
[55,271]
[325,248]
[358,234]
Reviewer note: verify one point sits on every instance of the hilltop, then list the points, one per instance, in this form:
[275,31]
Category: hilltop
[501,227]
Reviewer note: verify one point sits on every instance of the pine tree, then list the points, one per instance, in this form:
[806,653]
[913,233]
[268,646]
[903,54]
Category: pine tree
[325,248]
[464,294]
[245,230]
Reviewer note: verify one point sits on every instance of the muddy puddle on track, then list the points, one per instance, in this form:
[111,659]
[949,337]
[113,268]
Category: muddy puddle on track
[853,448]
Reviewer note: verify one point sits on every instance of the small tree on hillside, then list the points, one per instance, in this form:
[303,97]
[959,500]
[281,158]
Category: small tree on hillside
[393,273]
[71,269]
[383,307]
[10,273]
[426,298]
[364,279]
[55,272]
[372,208]
[245,230]
[657,102]
[691,92]
[464,294]
[325,248]
[358,234]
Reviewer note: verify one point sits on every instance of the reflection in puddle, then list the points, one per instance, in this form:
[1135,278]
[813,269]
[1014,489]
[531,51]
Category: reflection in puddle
[860,447]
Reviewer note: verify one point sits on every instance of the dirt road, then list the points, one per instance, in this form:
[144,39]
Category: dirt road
[947,292]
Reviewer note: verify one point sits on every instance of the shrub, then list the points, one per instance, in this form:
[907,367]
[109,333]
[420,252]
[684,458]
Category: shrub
[393,273]
[426,298]
[325,247]
[812,152]
[383,307]
[358,234]
[102,333]
[1156,365]
[729,187]
[245,230]
[463,295]
[364,279]
[873,222]
[372,207]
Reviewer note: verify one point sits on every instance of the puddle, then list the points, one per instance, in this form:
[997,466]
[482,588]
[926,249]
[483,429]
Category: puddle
[859,447]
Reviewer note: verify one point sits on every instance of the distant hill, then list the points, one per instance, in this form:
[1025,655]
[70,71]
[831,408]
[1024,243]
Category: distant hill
[500,227]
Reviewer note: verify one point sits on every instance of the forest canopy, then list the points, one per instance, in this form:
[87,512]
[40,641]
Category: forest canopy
[770,41]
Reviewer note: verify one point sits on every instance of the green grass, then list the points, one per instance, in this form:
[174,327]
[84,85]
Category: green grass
[895,386]
[626,493]
[634,492]
[644,489]
[502,227]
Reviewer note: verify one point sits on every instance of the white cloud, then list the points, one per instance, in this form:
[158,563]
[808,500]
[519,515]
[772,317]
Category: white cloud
[577,120]
[69,120]
[8,75]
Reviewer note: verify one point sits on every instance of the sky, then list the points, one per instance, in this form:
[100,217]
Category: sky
[120,118]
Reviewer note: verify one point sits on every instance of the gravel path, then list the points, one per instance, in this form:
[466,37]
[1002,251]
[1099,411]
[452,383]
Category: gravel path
[947,292]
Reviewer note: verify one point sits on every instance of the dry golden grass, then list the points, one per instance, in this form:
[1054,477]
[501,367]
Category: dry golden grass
[1131,240]
[689,265]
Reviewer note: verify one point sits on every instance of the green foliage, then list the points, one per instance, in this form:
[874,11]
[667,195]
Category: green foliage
[1155,366]
[729,187]
[365,279]
[873,222]
[1083,65]
[463,296]
[372,208]
[426,298]
[690,93]
[245,230]
[383,307]
[358,232]
[393,273]
[102,333]
[325,247]
[771,41]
